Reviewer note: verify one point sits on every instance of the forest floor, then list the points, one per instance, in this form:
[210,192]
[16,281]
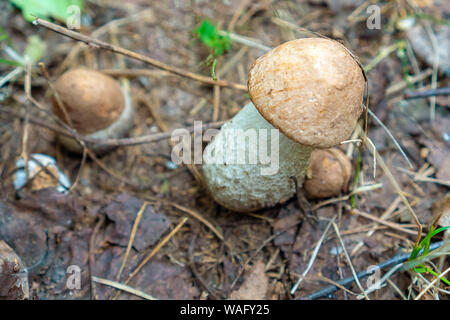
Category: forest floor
[216,253]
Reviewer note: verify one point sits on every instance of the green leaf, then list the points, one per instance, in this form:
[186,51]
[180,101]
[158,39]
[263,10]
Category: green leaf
[10,62]
[424,269]
[35,49]
[425,243]
[445,280]
[401,54]
[435,232]
[210,36]
[420,268]
[46,8]
[5,36]
[164,187]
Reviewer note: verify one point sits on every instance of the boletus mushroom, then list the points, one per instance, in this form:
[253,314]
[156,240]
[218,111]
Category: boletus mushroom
[95,105]
[311,90]
[328,173]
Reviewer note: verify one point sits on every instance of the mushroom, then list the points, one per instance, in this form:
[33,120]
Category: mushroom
[311,90]
[95,105]
[441,211]
[43,172]
[328,174]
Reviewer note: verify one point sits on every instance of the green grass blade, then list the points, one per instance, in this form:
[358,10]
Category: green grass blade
[425,243]
[5,36]
[213,69]
[10,62]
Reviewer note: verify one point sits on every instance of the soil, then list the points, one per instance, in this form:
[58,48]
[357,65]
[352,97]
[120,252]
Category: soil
[216,253]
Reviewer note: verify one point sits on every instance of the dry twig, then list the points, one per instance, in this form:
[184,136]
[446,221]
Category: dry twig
[153,62]
[153,252]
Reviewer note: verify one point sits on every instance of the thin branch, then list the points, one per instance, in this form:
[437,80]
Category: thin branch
[347,281]
[153,252]
[153,62]
[313,257]
[397,145]
[124,142]
[395,184]
[427,93]
[92,255]
[432,283]
[55,93]
[199,217]
[123,287]
[336,229]
[213,294]
[83,162]
[392,225]
[131,240]
[265,242]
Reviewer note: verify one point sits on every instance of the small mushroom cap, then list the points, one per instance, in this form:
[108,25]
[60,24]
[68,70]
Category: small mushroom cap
[310,89]
[329,173]
[441,210]
[92,99]
[51,177]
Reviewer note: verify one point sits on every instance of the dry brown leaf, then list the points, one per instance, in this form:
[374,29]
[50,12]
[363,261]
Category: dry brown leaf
[255,285]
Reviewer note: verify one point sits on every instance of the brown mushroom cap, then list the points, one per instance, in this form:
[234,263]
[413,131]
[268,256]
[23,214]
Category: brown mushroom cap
[92,100]
[329,173]
[310,89]
[441,210]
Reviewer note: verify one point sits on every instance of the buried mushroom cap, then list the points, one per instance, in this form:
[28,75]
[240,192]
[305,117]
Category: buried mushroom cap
[43,172]
[441,211]
[329,173]
[96,106]
[310,89]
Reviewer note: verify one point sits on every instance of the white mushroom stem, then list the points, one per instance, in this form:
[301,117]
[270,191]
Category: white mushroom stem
[248,164]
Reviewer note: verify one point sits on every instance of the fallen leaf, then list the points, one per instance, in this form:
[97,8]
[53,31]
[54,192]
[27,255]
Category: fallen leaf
[255,284]
[123,211]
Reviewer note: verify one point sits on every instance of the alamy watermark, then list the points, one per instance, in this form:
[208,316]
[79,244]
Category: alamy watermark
[230,147]
[373,281]
[74,17]
[374,19]
[73,281]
